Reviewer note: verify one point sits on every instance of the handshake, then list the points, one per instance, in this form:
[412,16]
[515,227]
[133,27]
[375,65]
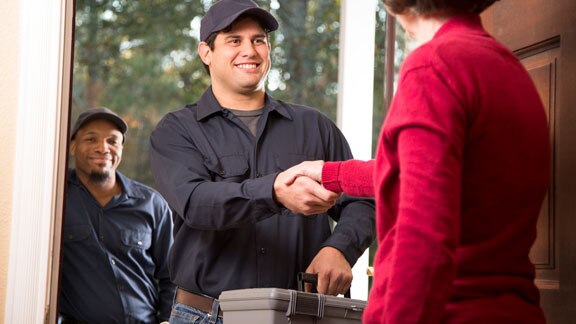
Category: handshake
[300,189]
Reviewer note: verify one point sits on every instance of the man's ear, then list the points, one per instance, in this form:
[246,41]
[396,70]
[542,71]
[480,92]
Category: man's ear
[205,53]
[72,147]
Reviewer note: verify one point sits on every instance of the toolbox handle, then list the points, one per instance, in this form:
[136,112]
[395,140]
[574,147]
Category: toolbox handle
[312,278]
[307,304]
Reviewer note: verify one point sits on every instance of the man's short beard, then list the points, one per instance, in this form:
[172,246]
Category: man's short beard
[99,177]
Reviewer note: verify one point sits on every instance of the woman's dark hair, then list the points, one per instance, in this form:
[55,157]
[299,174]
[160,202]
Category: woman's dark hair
[429,6]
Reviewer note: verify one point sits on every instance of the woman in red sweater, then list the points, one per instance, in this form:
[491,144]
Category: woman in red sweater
[461,170]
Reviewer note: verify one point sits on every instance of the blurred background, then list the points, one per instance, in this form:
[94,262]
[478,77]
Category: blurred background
[139,59]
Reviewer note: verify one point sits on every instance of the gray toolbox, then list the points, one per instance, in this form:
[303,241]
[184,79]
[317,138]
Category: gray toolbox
[275,306]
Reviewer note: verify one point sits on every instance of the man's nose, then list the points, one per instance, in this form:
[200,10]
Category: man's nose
[248,48]
[102,146]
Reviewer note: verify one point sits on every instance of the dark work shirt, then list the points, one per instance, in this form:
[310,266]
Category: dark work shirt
[114,260]
[230,233]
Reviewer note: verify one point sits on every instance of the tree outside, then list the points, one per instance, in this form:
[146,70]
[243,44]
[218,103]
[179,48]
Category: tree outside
[139,59]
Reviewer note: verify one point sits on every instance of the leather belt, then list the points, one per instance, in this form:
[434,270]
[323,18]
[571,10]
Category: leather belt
[200,302]
[65,319]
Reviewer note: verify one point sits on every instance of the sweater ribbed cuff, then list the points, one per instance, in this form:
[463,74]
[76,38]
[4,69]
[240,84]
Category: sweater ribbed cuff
[330,172]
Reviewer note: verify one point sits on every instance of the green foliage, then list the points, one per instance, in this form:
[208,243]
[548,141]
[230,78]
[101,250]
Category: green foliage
[139,58]
[305,54]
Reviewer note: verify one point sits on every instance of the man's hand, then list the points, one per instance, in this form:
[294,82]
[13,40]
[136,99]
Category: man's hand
[310,169]
[303,195]
[334,272]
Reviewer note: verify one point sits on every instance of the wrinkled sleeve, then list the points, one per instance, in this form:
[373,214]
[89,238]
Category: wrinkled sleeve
[428,130]
[162,244]
[181,176]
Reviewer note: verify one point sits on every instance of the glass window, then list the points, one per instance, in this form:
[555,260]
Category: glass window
[402,46]
[139,59]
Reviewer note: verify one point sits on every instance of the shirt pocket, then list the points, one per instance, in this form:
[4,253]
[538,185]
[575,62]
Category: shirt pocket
[74,233]
[286,161]
[136,239]
[229,168]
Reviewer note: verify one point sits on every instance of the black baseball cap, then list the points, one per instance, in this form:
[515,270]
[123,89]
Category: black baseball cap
[225,12]
[99,113]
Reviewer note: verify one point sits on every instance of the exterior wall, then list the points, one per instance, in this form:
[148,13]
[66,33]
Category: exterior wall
[9,79]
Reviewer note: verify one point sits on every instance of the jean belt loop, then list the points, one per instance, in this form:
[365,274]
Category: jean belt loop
[174,297]
[214,313]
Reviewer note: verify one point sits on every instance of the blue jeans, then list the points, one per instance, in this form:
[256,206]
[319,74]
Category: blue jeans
[184,314]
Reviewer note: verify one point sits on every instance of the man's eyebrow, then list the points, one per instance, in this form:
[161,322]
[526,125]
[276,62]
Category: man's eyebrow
[90,132]
[232,36]
[238,36]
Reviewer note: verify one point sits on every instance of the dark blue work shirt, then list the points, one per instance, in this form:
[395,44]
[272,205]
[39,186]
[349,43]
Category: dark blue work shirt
[114,260]
[230,233]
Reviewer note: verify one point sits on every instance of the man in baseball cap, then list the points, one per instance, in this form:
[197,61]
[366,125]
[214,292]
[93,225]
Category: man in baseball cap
[218,163]
[117,233]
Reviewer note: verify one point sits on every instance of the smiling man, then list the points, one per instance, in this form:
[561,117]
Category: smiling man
[116,236]
[219,164]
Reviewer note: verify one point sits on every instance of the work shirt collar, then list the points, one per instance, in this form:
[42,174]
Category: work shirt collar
[208,106]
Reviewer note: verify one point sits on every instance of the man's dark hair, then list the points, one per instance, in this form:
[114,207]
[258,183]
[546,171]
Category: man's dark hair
[212,37]
[430,6]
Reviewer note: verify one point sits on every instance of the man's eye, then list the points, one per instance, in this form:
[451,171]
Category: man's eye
[90,139]
[260,41]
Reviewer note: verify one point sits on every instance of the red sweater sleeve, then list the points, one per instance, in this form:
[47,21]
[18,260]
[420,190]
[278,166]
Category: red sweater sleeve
[353,177]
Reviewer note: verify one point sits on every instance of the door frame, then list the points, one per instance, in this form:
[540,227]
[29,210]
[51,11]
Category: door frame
[40,160]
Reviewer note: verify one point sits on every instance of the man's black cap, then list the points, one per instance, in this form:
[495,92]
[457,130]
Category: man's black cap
[99,113]
[225,12]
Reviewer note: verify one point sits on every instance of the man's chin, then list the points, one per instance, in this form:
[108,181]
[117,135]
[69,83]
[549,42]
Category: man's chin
[99,176]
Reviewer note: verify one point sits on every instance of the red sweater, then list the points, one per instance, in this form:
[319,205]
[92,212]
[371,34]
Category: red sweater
[460,174]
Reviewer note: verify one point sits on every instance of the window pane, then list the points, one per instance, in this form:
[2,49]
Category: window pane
[402,46]
[305,54]
[139,59]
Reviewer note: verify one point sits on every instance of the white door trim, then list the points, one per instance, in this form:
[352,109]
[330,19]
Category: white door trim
[40,158]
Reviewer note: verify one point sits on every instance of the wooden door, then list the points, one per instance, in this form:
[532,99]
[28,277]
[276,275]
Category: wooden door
[542,33]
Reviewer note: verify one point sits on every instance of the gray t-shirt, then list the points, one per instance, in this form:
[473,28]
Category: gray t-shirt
[250,118]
